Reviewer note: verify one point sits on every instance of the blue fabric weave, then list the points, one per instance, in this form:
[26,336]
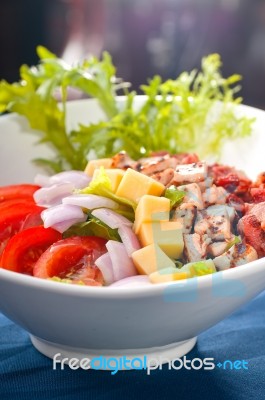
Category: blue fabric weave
[25,374]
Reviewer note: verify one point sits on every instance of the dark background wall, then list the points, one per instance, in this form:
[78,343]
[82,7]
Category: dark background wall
[144,36]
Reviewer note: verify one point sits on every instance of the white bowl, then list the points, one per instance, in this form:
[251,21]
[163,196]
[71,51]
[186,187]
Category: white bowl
[159,320]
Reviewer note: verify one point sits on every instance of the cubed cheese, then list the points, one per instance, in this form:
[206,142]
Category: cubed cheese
[151,208]
[95,164]
[150,259]
[134,185]
[168,275]
[150,232]
[114,174]
[167,234]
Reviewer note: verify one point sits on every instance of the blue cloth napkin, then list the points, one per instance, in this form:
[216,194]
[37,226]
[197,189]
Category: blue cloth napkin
[26,374]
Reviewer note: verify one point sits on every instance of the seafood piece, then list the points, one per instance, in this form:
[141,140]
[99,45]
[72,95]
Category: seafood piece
[185,214]
[215,221]
[195,246]
[196,172]
[238,254]
[193,195]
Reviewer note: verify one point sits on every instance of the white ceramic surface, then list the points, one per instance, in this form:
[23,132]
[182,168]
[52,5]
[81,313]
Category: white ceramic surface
[152,320]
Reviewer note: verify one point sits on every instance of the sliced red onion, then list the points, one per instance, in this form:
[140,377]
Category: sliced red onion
[90,201]
[63,214]
[78,178]
[133,281]
[111,218]
[129,239]
[122,264]
[52,195]
[105,265]
[64,225]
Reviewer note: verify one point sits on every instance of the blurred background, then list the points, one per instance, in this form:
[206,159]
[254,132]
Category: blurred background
[145,37]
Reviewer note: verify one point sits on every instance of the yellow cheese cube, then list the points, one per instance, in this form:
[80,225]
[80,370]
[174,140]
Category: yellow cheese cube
[114,174]
[134,185]
[151,208]
[146,233]
[150,259]
[167,234]
[168,275]
[172,243]
[95,164]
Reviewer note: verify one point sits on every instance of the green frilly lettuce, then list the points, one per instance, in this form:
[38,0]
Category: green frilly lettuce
[193,112]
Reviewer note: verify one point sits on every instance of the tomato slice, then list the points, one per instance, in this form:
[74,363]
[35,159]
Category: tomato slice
[73,259]
[16,202]
[17,191]
[15,217]
[24,249]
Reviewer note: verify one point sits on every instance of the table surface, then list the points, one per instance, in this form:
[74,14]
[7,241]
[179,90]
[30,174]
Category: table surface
[26,374]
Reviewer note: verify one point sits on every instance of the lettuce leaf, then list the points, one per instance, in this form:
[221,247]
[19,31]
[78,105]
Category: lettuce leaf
[194,112]
[92,227]
[175,196]
[41,94]
[101,186]
[236,240]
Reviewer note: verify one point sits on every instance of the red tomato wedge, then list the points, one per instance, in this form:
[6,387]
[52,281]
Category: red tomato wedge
[17,191]
[25,248]
[15,217]
[73,259]
[12,202]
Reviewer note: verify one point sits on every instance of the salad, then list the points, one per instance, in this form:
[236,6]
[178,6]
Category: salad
[146,207]
[158,219]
